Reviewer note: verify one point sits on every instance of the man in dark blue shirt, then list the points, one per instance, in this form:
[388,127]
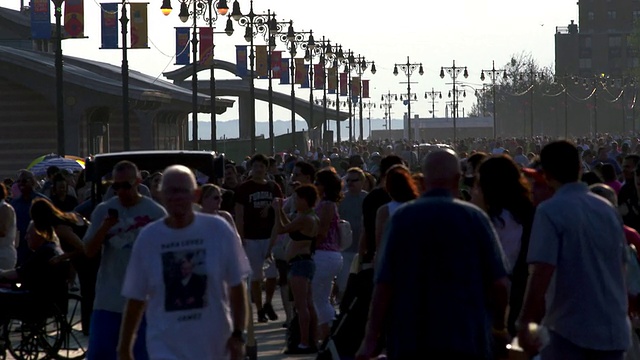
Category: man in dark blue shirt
[441,281]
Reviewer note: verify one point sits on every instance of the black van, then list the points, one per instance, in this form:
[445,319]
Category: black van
[209,164]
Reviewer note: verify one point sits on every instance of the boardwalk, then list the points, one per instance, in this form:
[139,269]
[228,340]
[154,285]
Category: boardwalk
[269,338]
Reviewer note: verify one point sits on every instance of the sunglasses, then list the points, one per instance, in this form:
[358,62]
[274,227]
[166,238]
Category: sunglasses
[124,185]
[349,181]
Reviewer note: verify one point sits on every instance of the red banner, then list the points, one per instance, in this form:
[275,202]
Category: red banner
[139,26]
[355,86]
[276,64]
[332,80]
[74,18]
[365,89]
[301,72]
[343,84]
[318,76]
[206,46]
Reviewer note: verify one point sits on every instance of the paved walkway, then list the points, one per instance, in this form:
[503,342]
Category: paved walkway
[270,337]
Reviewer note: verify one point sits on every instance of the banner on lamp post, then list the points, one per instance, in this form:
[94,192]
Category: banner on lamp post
[139,26]
[41,19]
[182,46]
[276,64]
[241,60]
[74,18]
[206,46]
[109,25]
[301,72]
[284,72]
[305,77]
[318,76]
[355,86]
[343,84]
[365,89]
[331,80]
[261,61]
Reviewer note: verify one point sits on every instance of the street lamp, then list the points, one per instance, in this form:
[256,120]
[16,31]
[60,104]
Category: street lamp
[408,69]
[326,59]
[433,95]
[294,39]
[494,73]
[387,105]
[532,76]
[367,106]
[454,71]
[204,9]
[59,79]
[360,65]
[275,27]
[565,91]
[254,24]
[338,59]
[309,54]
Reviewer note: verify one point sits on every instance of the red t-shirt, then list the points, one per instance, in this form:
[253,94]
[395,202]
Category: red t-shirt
[255,197]
[632,236]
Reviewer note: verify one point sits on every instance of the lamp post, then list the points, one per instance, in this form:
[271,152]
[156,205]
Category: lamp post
[433,95]
[199,8]
[494,73]
[454,71]
[360,65]
[275,27]
[408,69]
[294,39]
[326,58]
[368,105]
[309,54]
[59,79]
[387,98]
[254,24]
[338,59]
[532,76]
[126,126]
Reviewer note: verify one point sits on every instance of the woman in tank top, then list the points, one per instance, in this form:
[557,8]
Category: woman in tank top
[302,230]
[210,200]
[327,254]
[8,232]
[401,187]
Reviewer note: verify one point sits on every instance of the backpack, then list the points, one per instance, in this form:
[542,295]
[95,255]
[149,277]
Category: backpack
[345,234]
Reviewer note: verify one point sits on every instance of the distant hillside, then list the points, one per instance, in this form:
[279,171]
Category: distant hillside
[230,128]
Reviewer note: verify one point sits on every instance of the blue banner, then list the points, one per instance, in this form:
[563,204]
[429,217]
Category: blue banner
[109,22]
[284,72]
[41,19]
[305,78]
[241,61]
[183,50]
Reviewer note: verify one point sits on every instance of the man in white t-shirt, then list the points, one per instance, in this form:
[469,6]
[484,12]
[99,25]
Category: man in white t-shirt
[187,274]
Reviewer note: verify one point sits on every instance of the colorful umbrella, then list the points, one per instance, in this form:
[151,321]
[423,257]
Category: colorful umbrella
[39,166]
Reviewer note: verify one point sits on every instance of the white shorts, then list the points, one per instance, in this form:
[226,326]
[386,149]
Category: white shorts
[256,250]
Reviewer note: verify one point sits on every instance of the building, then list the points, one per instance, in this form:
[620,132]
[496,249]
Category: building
[599,43]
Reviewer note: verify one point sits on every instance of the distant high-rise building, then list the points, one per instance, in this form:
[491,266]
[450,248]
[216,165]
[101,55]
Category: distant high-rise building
[599,43]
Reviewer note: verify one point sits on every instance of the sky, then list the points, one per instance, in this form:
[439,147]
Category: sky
[435,33]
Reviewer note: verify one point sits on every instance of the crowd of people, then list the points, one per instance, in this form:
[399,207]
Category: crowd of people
[462,248]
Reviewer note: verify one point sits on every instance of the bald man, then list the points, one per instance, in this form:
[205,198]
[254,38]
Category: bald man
[440,261]
[190,321]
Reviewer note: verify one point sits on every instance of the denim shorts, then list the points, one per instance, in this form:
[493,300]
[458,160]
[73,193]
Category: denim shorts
[302,267]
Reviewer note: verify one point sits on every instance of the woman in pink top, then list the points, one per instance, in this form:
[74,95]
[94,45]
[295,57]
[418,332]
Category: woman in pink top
[608,173]
[327,256]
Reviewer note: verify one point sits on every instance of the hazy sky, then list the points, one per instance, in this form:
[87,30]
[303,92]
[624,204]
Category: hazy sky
[471,32]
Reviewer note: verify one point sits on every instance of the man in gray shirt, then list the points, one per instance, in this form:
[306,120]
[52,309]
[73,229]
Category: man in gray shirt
[576,268]
[350,209]
[115,224]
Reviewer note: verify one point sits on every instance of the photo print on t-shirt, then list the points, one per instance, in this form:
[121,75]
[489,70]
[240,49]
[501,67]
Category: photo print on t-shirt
[184,279]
